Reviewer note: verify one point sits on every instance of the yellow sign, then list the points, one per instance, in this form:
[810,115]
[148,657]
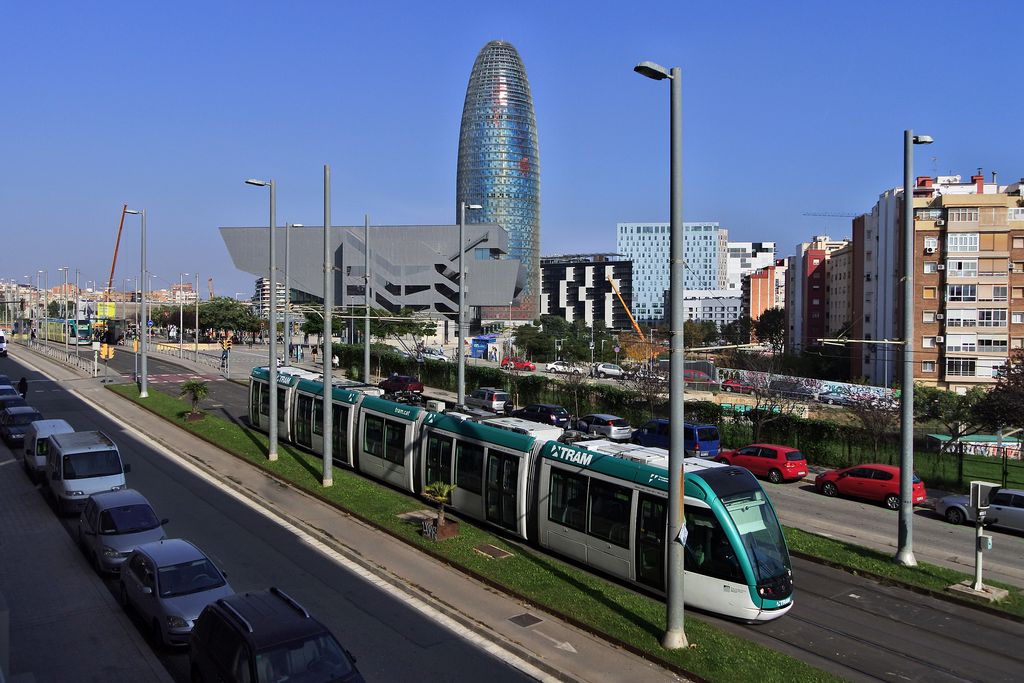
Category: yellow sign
[105,309]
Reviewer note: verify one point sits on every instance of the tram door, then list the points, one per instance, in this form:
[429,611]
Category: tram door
[502,480]
[650,541]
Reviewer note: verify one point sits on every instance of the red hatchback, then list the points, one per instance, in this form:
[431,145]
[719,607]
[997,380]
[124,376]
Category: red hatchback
[517,364]
[777,463]
[734,385]
[873,482]
[398,383]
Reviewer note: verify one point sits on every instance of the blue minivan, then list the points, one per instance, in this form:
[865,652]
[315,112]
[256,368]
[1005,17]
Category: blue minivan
[702,441]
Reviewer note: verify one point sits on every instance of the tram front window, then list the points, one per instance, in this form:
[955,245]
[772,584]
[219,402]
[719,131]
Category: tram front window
[760,534]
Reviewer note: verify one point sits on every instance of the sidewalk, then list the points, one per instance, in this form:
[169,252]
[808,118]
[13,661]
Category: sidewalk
[64,623]
[558,649]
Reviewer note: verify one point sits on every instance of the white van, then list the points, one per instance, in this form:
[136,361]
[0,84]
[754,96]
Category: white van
[80,464]
[37,446]
[3,344]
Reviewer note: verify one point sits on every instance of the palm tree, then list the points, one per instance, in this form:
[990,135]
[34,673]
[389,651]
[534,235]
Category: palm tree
[196,390]
[439,492]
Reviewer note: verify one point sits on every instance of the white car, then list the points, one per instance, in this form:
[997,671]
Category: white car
[428,354]
[603,370]
[563,367]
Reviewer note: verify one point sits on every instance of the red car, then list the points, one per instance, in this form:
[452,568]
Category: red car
[397,383]
[734,385]
[873,482]
[517,364]
[777,463]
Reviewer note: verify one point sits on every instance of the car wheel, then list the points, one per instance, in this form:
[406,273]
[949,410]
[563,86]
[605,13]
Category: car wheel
[728,390]
[829,489]
[775,476]
[955,516]
[892,501]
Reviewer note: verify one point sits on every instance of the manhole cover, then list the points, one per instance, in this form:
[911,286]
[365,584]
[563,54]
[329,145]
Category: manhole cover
[525,620]
[492,551]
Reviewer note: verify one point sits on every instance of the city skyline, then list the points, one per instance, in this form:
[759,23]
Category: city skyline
[172,114]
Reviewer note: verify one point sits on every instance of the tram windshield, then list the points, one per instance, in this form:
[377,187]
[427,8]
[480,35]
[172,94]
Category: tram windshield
[760,532]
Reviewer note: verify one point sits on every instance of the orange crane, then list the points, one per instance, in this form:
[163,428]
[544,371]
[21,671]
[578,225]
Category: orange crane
[117,244]
[209,284]
[637,349]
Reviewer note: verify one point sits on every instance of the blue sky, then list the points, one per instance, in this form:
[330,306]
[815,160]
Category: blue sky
[789,107]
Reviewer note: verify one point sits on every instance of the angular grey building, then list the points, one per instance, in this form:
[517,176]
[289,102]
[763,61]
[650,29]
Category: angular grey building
[499,166]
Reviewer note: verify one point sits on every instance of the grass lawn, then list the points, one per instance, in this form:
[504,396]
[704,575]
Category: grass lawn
[563,589]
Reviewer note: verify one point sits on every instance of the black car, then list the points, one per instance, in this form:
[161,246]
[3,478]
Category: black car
[265,636]
[791,389]
[14,422]
[545,413]
[11,400]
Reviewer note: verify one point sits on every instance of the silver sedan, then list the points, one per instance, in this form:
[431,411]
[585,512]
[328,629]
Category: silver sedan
[168,583]
[1006,509]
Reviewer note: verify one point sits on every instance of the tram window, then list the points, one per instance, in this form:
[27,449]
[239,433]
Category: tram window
[469,467]
[280,403]
[373,437]
[568,499]
[264,400]
[394,450]
[609,512]
[708,550]
[318,416]
[340,426]
[439,459]
[255,402]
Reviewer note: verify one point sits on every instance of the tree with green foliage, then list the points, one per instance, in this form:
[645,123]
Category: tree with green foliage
[196,390]
[770,329]
[223,313]
[697,333]
[1003,406]
[738,331]
[960,414]
[439,492]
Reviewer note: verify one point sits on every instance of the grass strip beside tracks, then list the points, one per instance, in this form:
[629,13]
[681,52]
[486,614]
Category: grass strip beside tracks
[605,608]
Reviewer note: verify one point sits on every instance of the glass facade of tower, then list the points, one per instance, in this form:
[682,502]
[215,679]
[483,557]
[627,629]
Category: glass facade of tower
[499,163]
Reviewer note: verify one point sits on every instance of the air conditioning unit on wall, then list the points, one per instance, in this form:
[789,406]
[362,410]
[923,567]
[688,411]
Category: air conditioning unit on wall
[940,340]
[929,250]
[941,266]
[939,316]
[940,221]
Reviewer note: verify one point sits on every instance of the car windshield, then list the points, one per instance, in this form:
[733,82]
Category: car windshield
[707,433]
[500,397]
[619,422]
[91,464]
[760,532]
[558,410]
[6,390]
[189,577]
[317,659]
[128,519]
[24,418]
[917,479]
[795,455]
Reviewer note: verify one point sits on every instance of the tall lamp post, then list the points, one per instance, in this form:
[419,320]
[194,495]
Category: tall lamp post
[287,285]
[181,314]
[143,316]
[46,306]
[197,319]
[272,272]
[77,322]
[328,354]
[67,326]
[462,298]
[905,546]
[675,635]
[366,299]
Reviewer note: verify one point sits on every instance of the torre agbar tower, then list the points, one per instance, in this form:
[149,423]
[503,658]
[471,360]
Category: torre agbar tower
[499,167]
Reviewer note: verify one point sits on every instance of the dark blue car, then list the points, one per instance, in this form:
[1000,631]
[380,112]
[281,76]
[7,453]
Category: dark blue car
[701,440]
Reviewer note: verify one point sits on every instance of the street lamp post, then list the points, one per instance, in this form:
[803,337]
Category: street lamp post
[67,326]
[366,299]
[181,314]
[905,544]
[46,307]
[675,634]
[287,285]
[77,304]
[197,319]
[328,413]
[272,271]
[462,299]
[143,317]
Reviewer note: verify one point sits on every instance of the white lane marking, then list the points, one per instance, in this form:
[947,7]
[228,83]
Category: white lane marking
[416,603]
[560,644]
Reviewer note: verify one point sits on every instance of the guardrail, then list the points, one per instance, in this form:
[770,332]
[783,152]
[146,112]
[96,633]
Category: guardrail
[83,361]
[202,358]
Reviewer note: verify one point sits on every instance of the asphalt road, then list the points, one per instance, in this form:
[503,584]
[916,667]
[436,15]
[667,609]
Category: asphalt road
[391,641]
[843,623]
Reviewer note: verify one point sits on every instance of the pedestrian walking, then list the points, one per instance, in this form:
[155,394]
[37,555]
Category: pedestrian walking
[23,387]
[312,352]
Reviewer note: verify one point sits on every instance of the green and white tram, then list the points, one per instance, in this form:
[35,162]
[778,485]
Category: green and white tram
[605,504]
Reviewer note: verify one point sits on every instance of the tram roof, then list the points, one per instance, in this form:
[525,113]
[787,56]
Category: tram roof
[463,426]
[315,387]
[387,407]
[629,462]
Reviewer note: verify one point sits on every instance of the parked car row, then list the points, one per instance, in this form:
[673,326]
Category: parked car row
[181,596]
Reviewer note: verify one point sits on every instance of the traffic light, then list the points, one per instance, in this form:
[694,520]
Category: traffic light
[227,344]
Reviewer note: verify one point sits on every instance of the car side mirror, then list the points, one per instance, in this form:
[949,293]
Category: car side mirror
[164,522]
[127,469]
[146,590]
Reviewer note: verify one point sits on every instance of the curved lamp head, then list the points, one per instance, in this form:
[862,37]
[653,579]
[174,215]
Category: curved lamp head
[652,70]
[923,140]
[258,183]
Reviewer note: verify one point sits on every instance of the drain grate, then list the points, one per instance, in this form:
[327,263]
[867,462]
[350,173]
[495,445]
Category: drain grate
[492,551]
[525,620]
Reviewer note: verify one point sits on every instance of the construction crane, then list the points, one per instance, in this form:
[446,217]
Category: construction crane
[117,245]
[637,348]
[209,285]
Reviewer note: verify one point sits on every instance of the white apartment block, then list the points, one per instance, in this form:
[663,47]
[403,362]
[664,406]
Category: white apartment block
[746,258]
[647,245]
[261,299]
[720,306]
